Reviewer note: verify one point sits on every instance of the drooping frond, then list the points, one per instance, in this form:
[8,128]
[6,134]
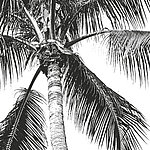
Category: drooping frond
[131,50]
[88,15]
[101,112]
[17,32]
[29,134]
[13,55]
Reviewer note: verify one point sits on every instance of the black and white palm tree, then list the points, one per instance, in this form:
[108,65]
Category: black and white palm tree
[46,31]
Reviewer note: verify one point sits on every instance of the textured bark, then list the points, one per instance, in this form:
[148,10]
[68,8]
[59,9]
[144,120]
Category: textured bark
[55,104]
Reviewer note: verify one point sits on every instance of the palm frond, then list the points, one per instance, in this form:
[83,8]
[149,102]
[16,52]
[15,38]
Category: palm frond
[131,50]
[88,15]
[30,130]
[14,20]
[101,112]
[13,56]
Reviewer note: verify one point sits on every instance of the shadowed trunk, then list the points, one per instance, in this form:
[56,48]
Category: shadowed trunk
[55,104]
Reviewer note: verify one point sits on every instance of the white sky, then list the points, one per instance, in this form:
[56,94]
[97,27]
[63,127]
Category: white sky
[94,58]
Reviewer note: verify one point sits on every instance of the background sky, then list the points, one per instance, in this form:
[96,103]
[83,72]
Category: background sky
[94,57]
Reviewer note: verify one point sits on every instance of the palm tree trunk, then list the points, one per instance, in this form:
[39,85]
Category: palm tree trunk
[55,104]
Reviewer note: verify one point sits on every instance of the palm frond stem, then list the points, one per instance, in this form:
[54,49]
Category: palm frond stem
[21,109]
[34,23]
[68,44]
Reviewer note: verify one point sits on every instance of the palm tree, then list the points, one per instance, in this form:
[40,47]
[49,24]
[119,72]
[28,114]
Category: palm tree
[46,31]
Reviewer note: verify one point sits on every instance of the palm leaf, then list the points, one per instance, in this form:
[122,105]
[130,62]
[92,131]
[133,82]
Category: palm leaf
[131,50]
[88,16]
[101,112]
[30,130]
[13,56]
[15,21]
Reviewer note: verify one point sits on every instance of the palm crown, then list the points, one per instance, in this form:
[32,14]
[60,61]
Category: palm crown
[47,30]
